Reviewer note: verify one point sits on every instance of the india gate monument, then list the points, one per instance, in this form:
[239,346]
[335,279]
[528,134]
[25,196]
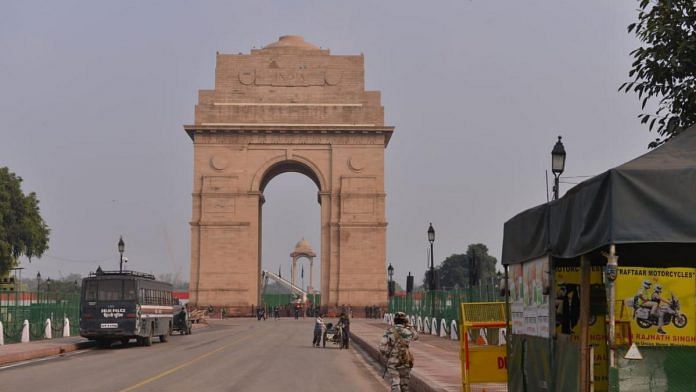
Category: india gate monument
[288,107]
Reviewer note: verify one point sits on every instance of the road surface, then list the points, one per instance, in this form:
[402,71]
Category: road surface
[230,355]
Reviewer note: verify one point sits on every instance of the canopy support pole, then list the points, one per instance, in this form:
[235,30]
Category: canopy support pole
[611,273]
[585,351]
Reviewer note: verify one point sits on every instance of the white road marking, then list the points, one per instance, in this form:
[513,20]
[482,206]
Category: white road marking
[30,361]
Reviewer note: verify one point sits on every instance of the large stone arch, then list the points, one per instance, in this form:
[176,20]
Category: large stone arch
[282,164]
[288,107]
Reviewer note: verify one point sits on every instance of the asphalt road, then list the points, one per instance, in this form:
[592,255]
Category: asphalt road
[230,355]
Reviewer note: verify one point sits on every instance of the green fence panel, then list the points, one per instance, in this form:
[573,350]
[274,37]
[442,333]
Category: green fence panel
[36,308]
[443,304]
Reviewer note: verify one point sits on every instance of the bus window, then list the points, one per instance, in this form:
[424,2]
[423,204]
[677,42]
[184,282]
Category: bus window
[110,290]
[129,290]
[90,290]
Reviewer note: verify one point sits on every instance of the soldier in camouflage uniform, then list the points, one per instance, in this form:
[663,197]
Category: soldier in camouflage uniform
[394,346]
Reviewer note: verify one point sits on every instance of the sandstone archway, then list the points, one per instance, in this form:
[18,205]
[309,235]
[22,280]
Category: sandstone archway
[289,107]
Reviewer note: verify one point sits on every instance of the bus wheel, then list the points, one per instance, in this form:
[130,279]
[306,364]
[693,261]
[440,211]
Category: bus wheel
[124,341]
[163,338]
[147,341]
[103,343]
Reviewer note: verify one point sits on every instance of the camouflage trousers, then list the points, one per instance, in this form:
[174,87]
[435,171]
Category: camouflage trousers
[400,378]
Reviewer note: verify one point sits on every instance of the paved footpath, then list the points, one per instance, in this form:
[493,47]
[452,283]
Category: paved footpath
[436,360]
[12,353]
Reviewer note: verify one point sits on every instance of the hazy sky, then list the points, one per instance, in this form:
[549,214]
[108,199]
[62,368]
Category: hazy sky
[93,96]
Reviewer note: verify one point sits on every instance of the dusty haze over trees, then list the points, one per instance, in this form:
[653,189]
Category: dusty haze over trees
[456,270]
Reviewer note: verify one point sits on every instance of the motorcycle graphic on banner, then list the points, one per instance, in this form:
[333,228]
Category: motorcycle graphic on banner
[659,303]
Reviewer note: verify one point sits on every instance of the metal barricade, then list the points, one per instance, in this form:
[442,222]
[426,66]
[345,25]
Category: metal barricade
[483,356]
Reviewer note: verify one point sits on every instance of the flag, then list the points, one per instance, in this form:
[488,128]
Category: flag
[302,274]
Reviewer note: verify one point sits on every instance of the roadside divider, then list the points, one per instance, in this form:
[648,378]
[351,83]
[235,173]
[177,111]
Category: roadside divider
[453,330]
[25,332]
[66,328]
[443,328]
[48,334]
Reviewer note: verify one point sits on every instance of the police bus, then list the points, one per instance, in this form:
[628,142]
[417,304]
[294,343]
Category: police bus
[119,306]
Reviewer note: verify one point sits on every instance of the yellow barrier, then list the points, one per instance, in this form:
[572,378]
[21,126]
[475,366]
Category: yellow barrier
[484,366]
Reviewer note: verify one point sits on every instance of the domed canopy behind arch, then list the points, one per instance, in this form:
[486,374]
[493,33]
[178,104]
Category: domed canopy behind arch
[303,248]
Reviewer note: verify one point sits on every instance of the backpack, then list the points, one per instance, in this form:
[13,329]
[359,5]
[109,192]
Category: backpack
[404,355]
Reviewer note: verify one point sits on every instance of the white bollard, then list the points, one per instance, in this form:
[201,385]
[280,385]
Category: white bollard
[66,327]
[385,319]
[501,337]
[2,335]
[483,333]
[433,328]
[47,329]
[443,328]
[453,330]
[419,324]
[25,331]
[426,325]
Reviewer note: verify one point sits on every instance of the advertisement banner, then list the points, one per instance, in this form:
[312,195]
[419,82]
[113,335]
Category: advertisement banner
[568,318]
[659,303]
[529,305]
[516,286]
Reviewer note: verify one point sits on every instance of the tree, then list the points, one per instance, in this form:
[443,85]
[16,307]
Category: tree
[22,230]
[665,67]
[456,270]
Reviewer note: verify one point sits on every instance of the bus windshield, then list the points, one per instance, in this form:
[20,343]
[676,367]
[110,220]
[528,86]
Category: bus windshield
[110,290]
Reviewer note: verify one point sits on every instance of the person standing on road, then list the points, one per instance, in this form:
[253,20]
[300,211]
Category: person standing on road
[319,328]
[344,322]
[394,346]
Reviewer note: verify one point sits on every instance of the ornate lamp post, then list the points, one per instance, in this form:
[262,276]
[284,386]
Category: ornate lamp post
[390,272]
[38,292]
[431,238]
[558,157]
[48,288]
[121,248]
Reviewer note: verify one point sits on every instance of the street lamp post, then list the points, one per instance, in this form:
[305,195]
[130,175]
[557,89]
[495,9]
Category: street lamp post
[390,272]
[431,238]
[38,293]
[121,248]
[558,157]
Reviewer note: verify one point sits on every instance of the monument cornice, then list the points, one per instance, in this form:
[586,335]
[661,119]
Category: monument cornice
[289,129]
